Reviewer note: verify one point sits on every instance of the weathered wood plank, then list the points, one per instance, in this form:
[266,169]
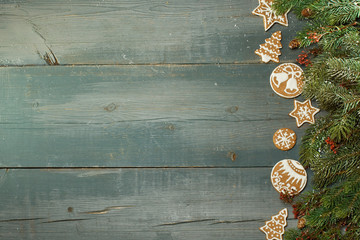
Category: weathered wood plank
[137,203]
[213,116]
[204,115]
[135,32]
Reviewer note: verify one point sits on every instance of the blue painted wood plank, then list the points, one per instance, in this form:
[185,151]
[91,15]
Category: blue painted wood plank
[135,32]
[184,115]
[137,203]
[184,107]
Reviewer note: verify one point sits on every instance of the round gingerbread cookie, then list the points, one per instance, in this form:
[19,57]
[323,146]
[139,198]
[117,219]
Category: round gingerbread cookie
[288,176]
[284,139]
[287,80]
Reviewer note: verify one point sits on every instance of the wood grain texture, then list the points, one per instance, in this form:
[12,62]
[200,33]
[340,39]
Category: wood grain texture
[135,32]
[168,94]
[188,115]
[137,204]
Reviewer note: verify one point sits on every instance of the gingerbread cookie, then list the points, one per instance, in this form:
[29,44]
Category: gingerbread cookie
[264,10]
[275,228]
[270,50]
[287,80]
[304,112]
[288,176]
[284,139]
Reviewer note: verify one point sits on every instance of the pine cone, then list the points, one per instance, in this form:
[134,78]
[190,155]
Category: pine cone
[301,223]
[306,12]
[295,43]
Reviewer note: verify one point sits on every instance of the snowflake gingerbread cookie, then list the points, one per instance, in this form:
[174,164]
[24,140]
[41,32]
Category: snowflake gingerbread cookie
[287,80]
[275,228]
[284,139]
[304,112]
[270,50]
[289,177]
[264,10]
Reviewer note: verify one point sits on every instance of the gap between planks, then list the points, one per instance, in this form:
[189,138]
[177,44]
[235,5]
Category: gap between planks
[137,167]
[141,64]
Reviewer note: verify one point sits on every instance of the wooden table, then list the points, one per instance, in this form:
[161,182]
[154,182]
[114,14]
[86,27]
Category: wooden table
[138,120]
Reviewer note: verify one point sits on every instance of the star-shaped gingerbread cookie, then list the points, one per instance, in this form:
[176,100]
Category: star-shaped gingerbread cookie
[304,112]
[264,10]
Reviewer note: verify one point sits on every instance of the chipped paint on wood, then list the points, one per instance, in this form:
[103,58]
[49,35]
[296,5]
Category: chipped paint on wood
[107,210]
[50,58]
[185,222]
[67,220]
[232,156]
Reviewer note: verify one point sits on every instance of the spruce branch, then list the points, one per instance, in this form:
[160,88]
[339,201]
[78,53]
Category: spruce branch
[343,69]
[342,126]
[329,211]
[331,146]
[338,11]
[283,6]
[351,105]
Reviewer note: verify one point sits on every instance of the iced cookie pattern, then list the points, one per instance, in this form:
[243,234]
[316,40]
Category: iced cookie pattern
[287,80]
[284,139]
[270,18]
[275,228]
[304,112]
[288,176]
[270,50]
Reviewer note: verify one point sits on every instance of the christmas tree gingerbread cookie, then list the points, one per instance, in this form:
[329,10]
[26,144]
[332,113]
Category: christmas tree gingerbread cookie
[304,112]
[288,177]
[284,139]
[270,50]
[275,228]
[264,10]
[287,80]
